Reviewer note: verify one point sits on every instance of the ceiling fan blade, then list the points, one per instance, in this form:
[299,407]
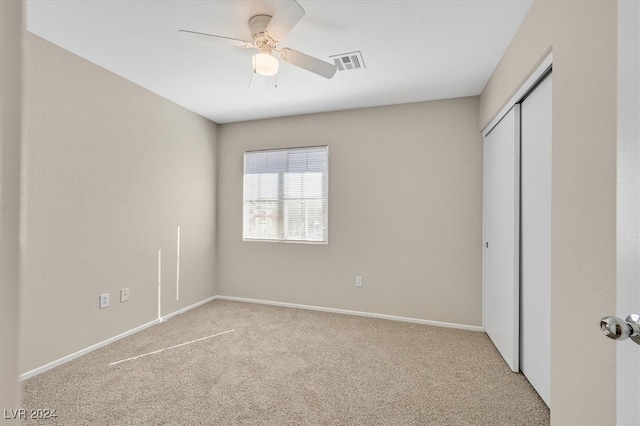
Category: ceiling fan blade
[242,43]
[287,15]
[309,63]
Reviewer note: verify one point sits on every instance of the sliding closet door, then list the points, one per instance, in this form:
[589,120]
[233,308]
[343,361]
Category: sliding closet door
[535,249]
[502,229]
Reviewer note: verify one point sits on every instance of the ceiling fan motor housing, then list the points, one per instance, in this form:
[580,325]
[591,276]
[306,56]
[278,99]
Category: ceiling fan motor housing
[258,25]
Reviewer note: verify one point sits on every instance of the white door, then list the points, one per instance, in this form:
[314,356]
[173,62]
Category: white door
[535,239]
[501,243]
[628,207]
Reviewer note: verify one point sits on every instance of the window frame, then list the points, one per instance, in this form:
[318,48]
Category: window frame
[281,199]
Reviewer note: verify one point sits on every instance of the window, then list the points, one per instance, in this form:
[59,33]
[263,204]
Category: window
[285,194]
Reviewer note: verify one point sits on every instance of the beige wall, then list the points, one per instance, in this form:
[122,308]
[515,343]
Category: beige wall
[112,170]
[405,213]
[11,23]
[582,36]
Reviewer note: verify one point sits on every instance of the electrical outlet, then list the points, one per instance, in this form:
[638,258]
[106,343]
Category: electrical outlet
[358,281]
[104,300]
[124,295]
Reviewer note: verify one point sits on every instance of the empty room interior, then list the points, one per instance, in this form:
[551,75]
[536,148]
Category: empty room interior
[299,212]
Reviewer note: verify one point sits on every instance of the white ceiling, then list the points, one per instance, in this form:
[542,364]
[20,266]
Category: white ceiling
[413,50]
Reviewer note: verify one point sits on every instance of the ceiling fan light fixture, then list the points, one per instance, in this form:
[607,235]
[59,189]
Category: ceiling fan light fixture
[265,64]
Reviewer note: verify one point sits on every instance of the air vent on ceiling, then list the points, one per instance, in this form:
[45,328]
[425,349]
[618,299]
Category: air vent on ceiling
[348,61]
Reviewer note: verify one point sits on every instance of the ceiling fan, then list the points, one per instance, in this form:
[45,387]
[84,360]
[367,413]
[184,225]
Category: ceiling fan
[267,33]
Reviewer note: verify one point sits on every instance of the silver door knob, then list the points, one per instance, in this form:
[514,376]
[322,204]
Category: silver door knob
[617,329]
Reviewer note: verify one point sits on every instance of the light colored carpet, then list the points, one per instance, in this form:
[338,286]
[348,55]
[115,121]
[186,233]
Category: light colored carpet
[284,366]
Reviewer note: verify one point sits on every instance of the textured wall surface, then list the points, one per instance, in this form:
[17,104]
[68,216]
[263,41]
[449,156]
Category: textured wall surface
[11,24]
[583,38]
[112,170]
[405,213]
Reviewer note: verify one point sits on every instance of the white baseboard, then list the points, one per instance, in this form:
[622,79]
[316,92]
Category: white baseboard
[356,313]
[188,308]
[92,348]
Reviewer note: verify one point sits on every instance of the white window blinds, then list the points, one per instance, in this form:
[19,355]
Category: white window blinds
[285,194]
